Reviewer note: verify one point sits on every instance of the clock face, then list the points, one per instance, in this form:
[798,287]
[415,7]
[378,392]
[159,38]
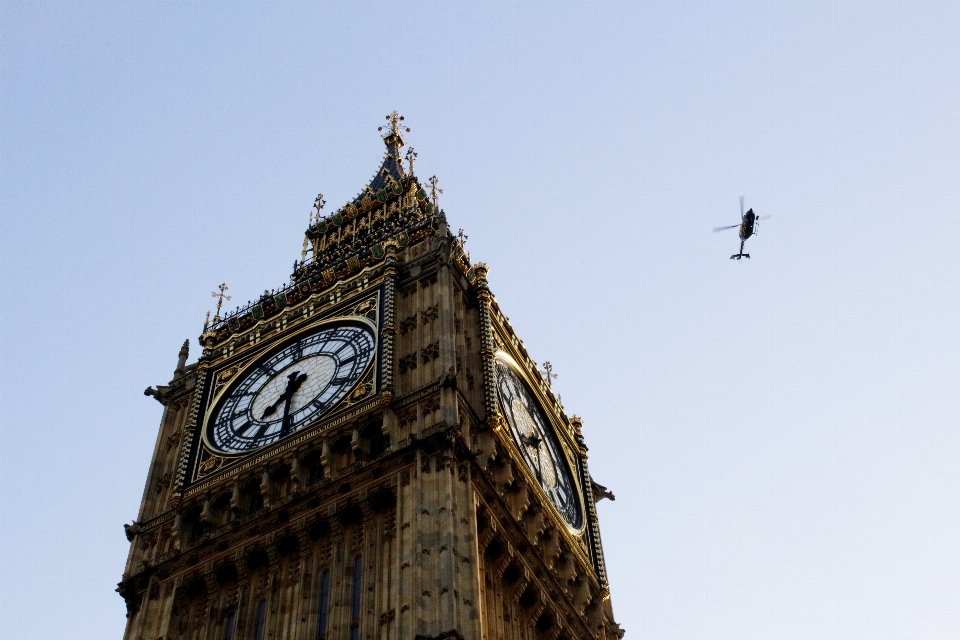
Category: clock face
[291,387]
[537,442]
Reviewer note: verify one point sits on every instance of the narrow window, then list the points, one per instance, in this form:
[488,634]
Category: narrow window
[230,625]
[261,620]
[324,604]
[197,530]
[357,592]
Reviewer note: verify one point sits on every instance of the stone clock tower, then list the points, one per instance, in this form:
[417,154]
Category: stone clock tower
[368,453]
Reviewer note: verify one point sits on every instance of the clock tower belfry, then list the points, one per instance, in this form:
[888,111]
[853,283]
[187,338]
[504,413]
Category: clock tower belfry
[368,452]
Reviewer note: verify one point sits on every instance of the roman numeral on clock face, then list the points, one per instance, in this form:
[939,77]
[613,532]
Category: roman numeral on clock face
[242,430]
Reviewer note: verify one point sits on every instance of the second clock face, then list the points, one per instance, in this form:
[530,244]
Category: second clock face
[537,443]
[291,387]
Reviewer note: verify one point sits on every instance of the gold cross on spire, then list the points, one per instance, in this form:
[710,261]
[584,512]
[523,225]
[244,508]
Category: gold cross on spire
[220,298]
[395,119]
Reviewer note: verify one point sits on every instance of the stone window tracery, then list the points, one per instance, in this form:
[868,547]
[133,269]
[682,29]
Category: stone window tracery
[324,605]
[261,621]
[356,597]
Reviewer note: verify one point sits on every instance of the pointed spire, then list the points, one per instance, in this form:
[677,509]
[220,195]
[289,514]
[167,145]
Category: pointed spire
[392,191]
[391,171]
[182,358]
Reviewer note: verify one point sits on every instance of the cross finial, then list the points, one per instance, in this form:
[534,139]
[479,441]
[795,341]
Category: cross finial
[411,158]
[220,298]
[548,374]
[318,205]
[434,190]
[395,119]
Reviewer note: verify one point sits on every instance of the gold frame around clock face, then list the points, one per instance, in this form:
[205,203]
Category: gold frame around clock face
[291,386]
[533,434]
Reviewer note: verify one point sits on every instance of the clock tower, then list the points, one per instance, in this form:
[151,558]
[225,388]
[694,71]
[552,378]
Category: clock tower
[368,452]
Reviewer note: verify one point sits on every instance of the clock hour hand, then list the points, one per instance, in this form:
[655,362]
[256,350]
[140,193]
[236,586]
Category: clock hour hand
[295,383]
[294,380]
[531,441]
[534,441]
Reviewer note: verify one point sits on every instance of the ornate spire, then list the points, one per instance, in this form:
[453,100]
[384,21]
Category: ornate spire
[411,159]
[435,191]
[391,207]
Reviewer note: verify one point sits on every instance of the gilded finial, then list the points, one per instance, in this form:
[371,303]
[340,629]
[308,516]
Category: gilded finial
[411,158]
[548,375]
[206,323]
[434,190]
[317,205]
[394,119]
[220,298]
[462,239]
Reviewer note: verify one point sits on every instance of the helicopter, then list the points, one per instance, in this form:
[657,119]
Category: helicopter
[748,227]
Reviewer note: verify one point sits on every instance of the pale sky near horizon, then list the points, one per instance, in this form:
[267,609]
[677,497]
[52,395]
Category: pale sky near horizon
[781,434]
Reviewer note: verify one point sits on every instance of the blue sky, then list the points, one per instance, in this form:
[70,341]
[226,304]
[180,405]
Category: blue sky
[781,434]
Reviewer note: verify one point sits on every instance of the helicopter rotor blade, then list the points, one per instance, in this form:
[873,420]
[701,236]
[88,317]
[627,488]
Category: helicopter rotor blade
[766,217]
[741,206]
[715,229]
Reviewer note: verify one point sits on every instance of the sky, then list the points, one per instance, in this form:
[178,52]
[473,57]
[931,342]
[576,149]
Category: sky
[781,433]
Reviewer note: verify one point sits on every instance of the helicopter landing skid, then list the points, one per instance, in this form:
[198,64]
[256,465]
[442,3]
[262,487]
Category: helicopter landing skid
[740,255]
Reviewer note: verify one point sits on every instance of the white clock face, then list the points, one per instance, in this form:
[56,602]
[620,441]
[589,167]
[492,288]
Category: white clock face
[537,443]
[291,387]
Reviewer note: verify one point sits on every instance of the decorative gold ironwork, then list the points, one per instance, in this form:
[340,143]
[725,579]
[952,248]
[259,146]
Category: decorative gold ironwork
[209,465]
[395,119]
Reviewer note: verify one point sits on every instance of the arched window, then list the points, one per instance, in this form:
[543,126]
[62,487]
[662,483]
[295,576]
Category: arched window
[261,621]
[324,605]
[230,625]
[357,592]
